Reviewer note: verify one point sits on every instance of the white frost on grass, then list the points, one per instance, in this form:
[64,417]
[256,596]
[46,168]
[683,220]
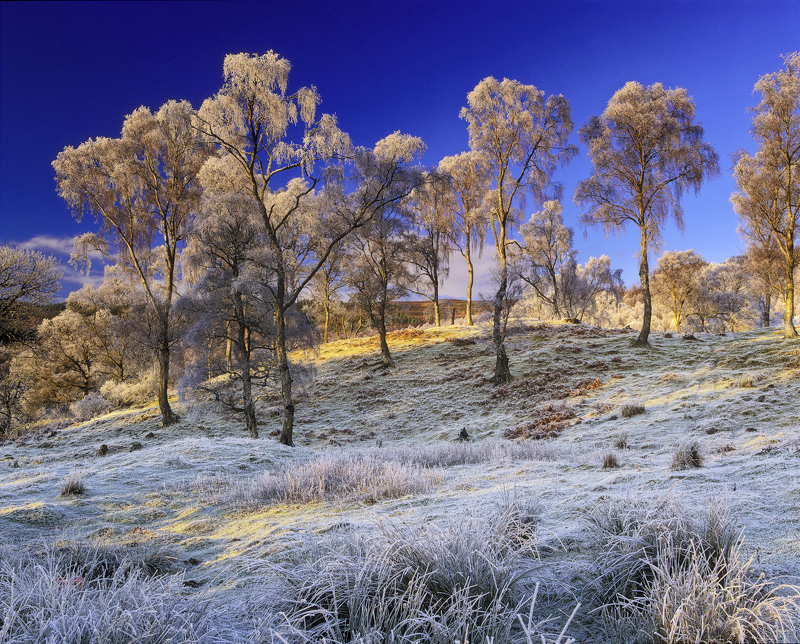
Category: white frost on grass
[692,391]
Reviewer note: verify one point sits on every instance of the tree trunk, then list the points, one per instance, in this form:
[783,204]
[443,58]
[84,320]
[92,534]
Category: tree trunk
[437,320]
[386,357]
[283,366]
[556,296]
[789,330]
[327,321]
[644,276]
[168,417]
[247,397]
[243,350]
[286,380]
[766,313]
[228,348]
[502,374]
[470,280]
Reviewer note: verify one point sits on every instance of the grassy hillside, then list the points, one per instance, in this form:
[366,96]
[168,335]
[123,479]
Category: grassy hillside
[591,445]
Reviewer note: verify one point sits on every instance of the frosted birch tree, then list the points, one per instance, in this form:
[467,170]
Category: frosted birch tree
[468,175]
[379,273]
[27,277]
[675,282]
[646,151]
[107,313]
[284,153]
[522,137]
[547,248]
[327,284]
[764,267]
[226,262]
[429,243]
[768,201]
[142,188]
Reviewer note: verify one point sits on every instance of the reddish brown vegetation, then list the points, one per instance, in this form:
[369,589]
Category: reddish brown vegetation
[550,421]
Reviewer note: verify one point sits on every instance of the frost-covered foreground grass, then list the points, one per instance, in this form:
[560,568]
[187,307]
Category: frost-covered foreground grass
[676,523]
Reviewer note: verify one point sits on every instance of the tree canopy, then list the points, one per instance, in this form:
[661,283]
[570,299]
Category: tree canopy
[646,151]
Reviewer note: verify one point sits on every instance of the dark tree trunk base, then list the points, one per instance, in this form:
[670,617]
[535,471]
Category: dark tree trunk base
[502,374]
[169,418]
[288,425]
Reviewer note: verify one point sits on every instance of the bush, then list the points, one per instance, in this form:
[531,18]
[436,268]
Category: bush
[90,406]
[136,392]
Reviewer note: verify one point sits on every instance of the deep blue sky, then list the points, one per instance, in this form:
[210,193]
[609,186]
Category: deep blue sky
[71,71]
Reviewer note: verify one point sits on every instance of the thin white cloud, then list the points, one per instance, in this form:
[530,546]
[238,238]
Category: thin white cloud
[47,243]
[61,248]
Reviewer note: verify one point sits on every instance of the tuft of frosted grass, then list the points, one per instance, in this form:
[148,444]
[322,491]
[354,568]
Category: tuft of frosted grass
[73,484]
[748,380]
[366,475]
[468,582]
[687,455]
[97,560]
[631,410]
[442,455]
[46,597]
[609,460]
[664,577]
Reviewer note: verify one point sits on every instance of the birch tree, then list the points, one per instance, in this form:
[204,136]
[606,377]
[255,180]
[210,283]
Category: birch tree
[547,249]
[284,153]
[429,244]
[107,313]
[768,201]
[142,188]
[646,151]
[522,137]
[468,175]
[229,265]
[581,284]
[27,278]
[327,284]
[764,267]
[675,282]
[379,273]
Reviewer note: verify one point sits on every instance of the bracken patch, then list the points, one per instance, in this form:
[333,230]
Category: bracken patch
[550,421]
